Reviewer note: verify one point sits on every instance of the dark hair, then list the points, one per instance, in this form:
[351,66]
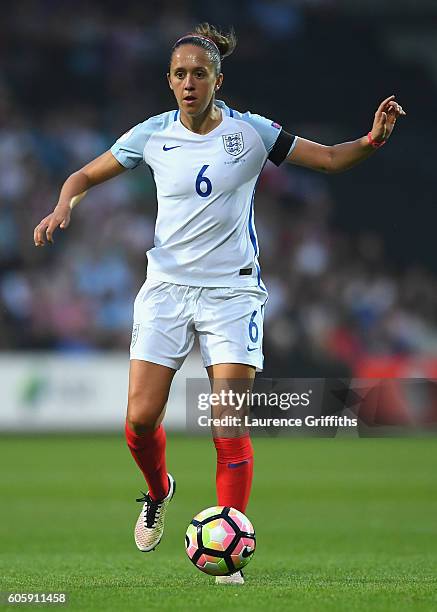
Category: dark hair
[217,44]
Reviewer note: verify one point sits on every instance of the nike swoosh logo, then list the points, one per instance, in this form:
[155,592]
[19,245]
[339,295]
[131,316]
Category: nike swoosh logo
[164,148]
[252,349]
[246,552]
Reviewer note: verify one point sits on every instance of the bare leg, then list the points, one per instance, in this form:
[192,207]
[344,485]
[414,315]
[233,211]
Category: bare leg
[149,386]
[235,377]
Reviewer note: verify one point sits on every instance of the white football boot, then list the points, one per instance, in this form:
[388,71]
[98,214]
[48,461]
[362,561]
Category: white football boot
[150,524]
[236,578]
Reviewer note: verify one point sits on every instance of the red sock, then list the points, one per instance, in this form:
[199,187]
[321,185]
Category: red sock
[234,471]
[148,450]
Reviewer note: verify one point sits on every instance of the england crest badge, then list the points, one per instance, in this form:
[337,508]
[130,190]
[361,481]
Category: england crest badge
[233,143]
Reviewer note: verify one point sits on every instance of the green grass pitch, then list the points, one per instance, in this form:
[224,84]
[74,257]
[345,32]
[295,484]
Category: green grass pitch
[341,524]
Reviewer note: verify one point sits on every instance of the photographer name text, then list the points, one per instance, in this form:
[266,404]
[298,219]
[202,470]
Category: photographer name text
[248,421]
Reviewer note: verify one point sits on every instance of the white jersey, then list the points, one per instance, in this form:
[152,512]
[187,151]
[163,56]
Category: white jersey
[205,233]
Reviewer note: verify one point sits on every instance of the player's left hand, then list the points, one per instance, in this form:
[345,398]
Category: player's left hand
[385,118]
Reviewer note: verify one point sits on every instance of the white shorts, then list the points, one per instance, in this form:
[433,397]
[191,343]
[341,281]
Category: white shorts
[227,320]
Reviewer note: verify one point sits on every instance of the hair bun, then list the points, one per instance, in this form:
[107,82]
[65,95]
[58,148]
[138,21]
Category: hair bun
[225,43]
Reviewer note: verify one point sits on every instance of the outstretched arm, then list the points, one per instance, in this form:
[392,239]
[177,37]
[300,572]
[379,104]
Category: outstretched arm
[340,157]
[97,171]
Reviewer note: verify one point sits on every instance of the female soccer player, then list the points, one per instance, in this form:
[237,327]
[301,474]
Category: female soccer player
[203,276]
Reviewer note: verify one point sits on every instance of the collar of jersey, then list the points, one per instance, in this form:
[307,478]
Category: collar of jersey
[208,134]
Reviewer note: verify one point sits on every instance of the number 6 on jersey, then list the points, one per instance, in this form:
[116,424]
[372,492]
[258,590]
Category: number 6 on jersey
[203,179]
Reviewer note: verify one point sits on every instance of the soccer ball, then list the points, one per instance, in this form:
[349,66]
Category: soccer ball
[220,540]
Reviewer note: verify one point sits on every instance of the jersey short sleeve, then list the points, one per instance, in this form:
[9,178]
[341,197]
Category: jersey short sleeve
[277,142]
[129,148]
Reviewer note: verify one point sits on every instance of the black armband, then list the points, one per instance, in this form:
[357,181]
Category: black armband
[281,147]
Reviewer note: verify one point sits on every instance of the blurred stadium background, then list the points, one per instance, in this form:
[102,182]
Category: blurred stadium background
[349,261]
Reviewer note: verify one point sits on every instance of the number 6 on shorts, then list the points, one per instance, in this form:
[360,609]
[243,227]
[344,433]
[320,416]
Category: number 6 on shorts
[253,328]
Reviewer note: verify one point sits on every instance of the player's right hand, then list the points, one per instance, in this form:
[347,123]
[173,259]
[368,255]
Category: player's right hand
[60,217]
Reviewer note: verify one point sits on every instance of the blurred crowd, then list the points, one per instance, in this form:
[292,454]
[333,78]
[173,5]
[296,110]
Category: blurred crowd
[334,298]
[72,79]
